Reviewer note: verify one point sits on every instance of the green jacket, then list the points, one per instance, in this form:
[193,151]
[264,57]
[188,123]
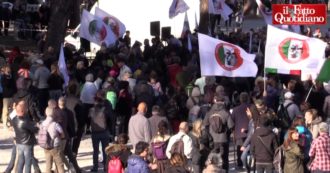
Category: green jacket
[294,158]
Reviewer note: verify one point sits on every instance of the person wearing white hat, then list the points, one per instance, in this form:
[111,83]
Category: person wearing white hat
[40,81]
[291,107]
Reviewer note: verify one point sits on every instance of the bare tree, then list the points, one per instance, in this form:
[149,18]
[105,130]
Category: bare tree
[60,13]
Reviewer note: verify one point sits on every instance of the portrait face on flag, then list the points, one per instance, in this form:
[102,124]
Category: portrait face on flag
[113,23]
[294,50]
[228,56]
[97,30]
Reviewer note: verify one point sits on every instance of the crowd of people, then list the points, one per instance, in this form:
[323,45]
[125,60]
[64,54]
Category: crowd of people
[150,110]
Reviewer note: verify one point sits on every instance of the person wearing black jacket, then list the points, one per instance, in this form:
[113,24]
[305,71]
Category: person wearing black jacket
[25,92]
[25,131]
[263,145]
[71,132]
[8,90]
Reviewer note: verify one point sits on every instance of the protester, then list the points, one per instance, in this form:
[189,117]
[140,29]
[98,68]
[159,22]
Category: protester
[224,124]
[319,151]
[312,121]
[119,149]
[263,145]
[294,156]
[137,163]
[139,126]
[57,134]
[25,131]
[241,121]
[100,115]
[155,119]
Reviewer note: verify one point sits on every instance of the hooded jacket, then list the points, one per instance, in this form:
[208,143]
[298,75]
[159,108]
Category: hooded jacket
[259,150]
[137,164]
[226,120]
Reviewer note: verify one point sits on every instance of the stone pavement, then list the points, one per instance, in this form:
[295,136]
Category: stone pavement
[84,157]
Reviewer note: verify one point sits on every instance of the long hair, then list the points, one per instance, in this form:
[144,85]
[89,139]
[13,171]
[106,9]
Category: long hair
[197,128]
[177,160]
[289,139]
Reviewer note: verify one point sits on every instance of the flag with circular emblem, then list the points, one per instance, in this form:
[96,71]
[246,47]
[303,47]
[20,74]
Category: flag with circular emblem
[116,26]
[287,51]
[220,58]
[95,30]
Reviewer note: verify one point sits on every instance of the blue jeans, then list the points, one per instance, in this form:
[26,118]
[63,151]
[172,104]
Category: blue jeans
[244,156]
[98,137]
[25,155]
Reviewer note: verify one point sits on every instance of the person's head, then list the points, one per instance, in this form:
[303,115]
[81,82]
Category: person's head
[162,128]
[293,136]
[54,68]
[244,97]
[52,103]
[298,122]
[310,115]
[263,121]
[184,127]
[177,160]
[20,107]
[218,99]
[324,128]
[292,85]
[142,107]
[197,127]
[61,102]
[122,138]
[49,112]
[142,148]
[260,104]
[155,110]
[99,97]
[89,77]
[288,95]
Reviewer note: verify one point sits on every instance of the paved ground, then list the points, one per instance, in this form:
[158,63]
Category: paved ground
[84,156]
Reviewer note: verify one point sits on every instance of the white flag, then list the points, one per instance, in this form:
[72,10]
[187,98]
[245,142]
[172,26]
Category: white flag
[220,58]
[95,30]
[62,67]
[220,7]
[177,6]
[266,11]
[291,51]
[116,26]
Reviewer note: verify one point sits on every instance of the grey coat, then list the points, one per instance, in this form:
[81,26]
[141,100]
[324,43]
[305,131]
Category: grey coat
[226,119]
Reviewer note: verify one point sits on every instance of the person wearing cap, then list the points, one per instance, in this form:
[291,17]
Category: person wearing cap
[139,126]
[320,151]
[40,81]
[292,108]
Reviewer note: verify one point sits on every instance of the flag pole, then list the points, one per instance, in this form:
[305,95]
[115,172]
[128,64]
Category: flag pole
[250,42]
[309,92]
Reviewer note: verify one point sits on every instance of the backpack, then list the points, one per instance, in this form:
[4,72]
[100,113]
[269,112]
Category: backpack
[278,160]
[44,139]
[115,165]
[159,150]
[178,147]
[283,118]
[216,124]
[98,119]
